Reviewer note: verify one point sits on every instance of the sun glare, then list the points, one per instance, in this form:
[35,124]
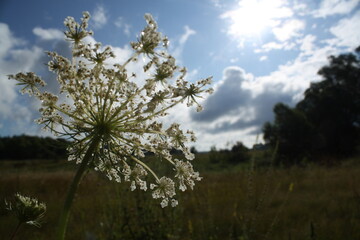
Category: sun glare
[254,16]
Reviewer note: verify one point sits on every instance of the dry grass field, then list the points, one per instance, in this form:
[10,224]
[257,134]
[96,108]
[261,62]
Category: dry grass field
[294,203]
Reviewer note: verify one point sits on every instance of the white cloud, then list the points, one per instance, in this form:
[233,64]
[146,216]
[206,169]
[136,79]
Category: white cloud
[7,40]
[120,23]
[178,49]
[346,31]
[332,7]
[14,57]
[300,8]
[186,35]
[289,29]
[270,46]
[234,112]
[308,45]
[17,113]
[263,58]
[242,103]
[99,17]
[295,76]
[48,34]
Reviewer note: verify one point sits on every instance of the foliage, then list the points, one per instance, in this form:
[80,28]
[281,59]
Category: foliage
[326,121]
[238,153]
[222,205]
[32,147]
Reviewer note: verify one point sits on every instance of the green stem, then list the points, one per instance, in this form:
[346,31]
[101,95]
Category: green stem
[73,188]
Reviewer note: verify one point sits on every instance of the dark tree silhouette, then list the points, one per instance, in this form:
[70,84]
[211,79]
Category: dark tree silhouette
[327,120]
[32,147]
[293,132]
[333,105]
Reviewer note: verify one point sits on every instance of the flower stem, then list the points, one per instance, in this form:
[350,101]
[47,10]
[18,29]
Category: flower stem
[15,231]
[73,188]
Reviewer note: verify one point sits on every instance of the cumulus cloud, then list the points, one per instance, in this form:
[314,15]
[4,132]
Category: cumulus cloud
[287,35]
[345,31]
[238,102]
[17,113]
[48,34]
[14,57]
[227,97]
[99,18]
[6,40]
[332,7]
[242,103]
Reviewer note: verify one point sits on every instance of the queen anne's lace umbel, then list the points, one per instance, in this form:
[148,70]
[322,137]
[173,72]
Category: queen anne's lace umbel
[104,102]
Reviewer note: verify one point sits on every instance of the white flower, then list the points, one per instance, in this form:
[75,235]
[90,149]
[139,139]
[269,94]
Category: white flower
[165,189]
[27,210]
[185,174]
[137,174]
[112,120]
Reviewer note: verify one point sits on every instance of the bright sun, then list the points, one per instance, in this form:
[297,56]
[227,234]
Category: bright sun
[254,16]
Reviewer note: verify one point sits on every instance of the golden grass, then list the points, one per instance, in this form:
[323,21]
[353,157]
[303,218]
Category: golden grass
[324,204]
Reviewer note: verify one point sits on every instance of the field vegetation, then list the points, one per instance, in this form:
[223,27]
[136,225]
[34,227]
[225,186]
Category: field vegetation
[233,201]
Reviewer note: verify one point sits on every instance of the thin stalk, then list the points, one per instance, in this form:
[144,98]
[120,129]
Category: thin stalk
[15,231]
[73,188]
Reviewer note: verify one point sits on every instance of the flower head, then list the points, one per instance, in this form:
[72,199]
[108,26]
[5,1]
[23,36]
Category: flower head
[27,210]
[165,190]
[186,175]
[107,112]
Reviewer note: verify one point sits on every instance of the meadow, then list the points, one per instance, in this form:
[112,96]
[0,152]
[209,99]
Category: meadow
[234,202]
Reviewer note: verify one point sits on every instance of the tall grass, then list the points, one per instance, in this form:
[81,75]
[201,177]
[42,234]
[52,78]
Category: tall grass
[325,204]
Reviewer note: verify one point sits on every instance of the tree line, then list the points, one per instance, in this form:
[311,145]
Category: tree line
[32,147]
[326,123]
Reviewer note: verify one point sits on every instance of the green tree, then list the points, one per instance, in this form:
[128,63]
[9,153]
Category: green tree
[293,132]
[333,105]
[327,120]
[239,153]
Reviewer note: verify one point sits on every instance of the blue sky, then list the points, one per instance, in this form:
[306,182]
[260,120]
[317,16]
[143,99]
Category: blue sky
[259,52]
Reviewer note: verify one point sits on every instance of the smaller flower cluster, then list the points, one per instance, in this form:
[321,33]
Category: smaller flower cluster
[29,81]
[27,210]
[76,32]
[164,189]
[186,175]
[150,38]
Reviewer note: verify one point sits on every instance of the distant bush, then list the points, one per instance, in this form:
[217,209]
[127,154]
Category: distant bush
[32,147]
[237,154]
